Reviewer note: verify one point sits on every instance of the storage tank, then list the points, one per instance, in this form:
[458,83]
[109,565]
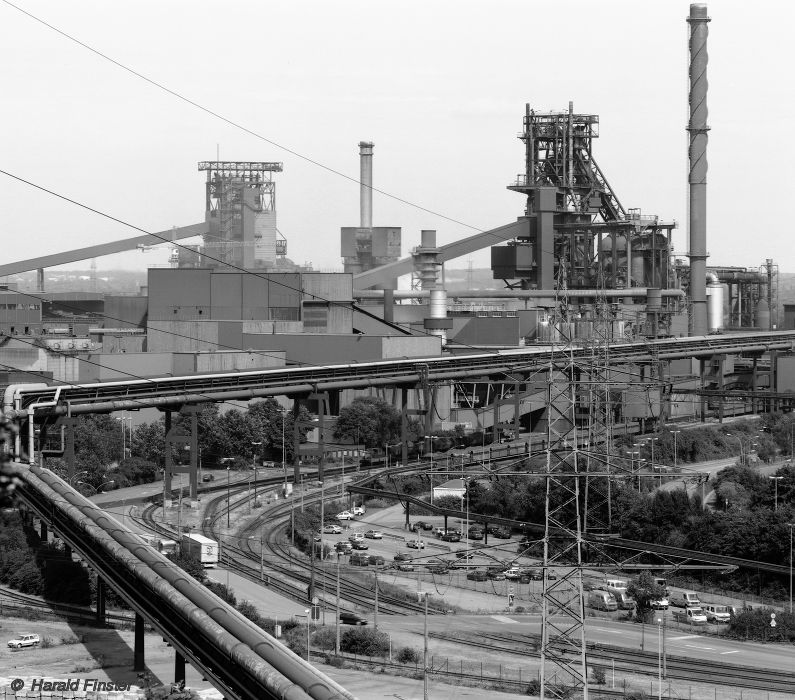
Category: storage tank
[714,303]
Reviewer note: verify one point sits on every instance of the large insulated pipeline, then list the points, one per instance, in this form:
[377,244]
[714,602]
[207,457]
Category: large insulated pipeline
[366,184]
[697,178]
[279,669]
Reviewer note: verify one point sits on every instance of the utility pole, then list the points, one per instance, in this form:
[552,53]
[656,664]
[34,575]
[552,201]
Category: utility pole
[337,624]
[375,614]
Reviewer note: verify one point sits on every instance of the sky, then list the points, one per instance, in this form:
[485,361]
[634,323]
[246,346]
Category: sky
[439,87]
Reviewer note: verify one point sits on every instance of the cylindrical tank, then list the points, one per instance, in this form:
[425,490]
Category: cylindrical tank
[638,269]
[762,314]
[653,299]
[714,304]
[438,309]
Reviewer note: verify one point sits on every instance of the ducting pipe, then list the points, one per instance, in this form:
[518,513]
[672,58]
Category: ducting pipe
[519,293]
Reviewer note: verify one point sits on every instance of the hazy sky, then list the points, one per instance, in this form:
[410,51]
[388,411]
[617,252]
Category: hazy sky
[440,87]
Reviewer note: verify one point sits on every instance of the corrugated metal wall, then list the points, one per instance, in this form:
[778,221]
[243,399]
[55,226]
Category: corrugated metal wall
[125,312]
[179,294]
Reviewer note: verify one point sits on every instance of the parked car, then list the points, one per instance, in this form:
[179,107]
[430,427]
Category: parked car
[716,613]
[475,533]
[351,618]
[359,510]
[451,537]
[685,599]
[477,575]
[404,566]
[376,560]
[208,477]
[24,640]
[332,529]
[345,515]
[496,574]
[439,531]
[374,534]
[356,537]
[359,544]
[402,556]
[501,533]
[513,573]
[427,526]
[464,554]
[415,544]
[343,547]
[358,559]
[417,526]
[602,600]
[535,575]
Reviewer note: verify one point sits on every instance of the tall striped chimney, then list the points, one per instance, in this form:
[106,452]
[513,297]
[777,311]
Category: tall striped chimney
[697,178]
[366,183]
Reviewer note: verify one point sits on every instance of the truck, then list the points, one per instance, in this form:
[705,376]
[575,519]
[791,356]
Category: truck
[692,616]
[202,548]
[717,613]
[685,599]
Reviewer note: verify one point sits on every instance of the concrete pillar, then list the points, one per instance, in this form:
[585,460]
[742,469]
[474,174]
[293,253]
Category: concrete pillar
[168,463]
[296,442]
[193,475]
[179,668]
[40,279]
[100,599]
[138,652]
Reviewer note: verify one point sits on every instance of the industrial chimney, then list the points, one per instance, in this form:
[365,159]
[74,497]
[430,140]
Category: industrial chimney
[366,183]
[697,179]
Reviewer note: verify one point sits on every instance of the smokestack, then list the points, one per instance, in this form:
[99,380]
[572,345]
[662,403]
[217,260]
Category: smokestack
[697,179]
[366,183]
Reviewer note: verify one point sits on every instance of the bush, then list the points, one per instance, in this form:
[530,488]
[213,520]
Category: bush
[408,655]
[335,661]
[324,638]
[534,687]
[375,503]
[248,610]
[46,642]
[598,675]
[223,592]
[365,642]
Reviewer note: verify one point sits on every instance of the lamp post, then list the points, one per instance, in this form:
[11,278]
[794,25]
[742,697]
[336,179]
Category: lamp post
[775,480]
[424,594]
[675,433]
[337,624]
[228,494]
[255,444]
[659,658]
[97,489]
[632,454]
[742,448]
[790,526]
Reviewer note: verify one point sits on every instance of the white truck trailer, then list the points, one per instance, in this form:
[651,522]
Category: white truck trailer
[202,548]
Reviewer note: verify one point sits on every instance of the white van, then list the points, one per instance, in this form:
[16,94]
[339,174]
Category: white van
[716,613]
[602,600]
[685,599]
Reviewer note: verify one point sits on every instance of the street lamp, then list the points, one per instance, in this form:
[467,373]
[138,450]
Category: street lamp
[97,489]
[228,494]
[424,595]
[790,526]
[675,433]
[775,480]
[255,444]
[632,454]
[659,658]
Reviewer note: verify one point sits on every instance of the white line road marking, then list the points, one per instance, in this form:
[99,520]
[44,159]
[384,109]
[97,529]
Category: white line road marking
[502,618]
[688,636]
[736,651]
[698,646]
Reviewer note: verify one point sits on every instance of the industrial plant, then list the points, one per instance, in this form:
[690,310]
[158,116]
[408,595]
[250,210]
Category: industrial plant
[594,327]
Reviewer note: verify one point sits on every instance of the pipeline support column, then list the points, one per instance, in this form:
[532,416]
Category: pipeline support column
[138,648]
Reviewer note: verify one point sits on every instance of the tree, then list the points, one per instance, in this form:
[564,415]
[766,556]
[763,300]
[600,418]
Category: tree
[149,442]
[644,590]
[371,421]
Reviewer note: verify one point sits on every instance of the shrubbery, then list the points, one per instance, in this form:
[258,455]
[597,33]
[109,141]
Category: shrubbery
[408,655]
[366,642]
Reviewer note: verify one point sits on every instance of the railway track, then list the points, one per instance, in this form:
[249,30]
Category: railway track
[12,601]
[634,661]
